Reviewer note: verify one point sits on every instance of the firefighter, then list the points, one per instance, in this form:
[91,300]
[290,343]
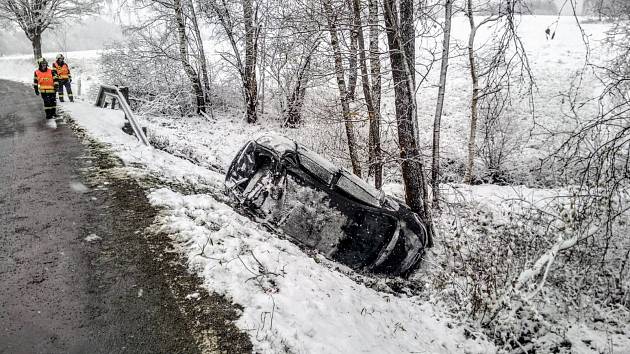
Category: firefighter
[63,73]
[45,82]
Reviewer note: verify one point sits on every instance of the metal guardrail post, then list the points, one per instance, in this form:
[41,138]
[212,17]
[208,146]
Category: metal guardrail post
[125,92]
[122,96]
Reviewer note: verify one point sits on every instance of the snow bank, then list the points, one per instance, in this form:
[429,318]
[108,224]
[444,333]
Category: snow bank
[292,302]
[106,126]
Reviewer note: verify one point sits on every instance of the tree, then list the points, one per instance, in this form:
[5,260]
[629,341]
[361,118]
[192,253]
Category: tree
[470,162]
[179,17]
[184,39]
[376,164]
[241,39]
[595,156]
[251,51]
[493,74]
[373,112]
[345,92]
[295,99]
[435,168]
[290,61]
[36,16]
[401,43]
[201,60]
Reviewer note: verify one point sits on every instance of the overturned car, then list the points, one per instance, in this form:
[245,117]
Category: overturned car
[325,207]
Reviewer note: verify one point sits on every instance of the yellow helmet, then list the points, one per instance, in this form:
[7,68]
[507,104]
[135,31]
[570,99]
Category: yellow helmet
[41,61]
[60,56]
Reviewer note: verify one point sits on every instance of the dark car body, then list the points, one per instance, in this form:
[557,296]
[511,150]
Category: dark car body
[325,207]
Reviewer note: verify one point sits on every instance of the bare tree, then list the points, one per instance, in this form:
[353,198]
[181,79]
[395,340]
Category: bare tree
[475,90]
[290,61]
[36,16]
[344,92]
[249,70]
[295,100]
[376,164]
[401,42]
[353,73]
[595,155]
[183,37]
[435,168]
[179,17]
[244,44]
[373,112]
[505,53]
[201,60]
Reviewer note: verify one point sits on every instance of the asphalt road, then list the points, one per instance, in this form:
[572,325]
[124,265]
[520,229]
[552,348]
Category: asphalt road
[60,293]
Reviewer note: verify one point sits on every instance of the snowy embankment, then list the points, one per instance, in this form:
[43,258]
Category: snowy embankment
[292,302]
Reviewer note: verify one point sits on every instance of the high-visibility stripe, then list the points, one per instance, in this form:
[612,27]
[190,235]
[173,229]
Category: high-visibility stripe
[47,91]
[48,108]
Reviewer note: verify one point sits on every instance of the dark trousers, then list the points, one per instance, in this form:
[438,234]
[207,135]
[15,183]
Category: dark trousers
[66,84]
[50,104]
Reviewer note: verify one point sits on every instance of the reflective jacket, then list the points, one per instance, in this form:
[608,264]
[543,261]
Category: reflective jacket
[63,71]
[45,81]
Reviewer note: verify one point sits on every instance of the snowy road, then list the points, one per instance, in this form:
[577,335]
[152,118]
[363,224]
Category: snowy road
[76,274]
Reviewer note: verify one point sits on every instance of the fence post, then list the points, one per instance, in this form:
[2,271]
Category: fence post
[125,92]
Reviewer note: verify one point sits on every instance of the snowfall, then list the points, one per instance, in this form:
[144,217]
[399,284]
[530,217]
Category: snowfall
[293,301]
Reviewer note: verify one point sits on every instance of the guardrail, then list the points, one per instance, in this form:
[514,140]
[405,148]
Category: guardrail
[120,95]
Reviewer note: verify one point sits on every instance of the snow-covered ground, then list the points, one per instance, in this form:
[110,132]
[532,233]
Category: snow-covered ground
[293,302]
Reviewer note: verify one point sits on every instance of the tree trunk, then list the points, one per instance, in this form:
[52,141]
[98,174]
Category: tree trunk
[408,33]
[250,83]
[262,47]
[36,41]
[202,59]
[376,165]
[352,61]
[470,164]
[435,169]
[293,112]
[367,91]
[341,84]
[400,57]
[192,74]
[375,60]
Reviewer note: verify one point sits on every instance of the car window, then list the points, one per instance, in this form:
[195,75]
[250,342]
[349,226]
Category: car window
[317,165]
[358,188]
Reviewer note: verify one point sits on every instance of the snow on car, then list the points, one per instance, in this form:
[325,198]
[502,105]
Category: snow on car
[325,207]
